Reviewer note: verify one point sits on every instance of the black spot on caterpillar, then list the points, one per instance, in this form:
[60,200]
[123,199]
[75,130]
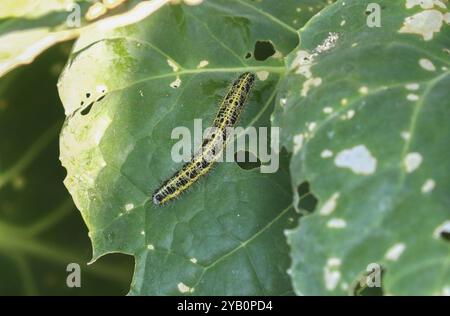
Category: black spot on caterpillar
[212,147]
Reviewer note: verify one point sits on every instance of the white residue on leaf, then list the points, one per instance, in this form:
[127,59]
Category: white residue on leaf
[329,205]
[286,233]
[405,135]
[358,159]
[428,186]
[326,153]
[101,88]
[142,232]
[176,83]
[129,207]
[336,223]
[310,83]
[327,110]
[412,86]
[412,97]
[277,55]
[298,142]
[302,63]
[173,65]
[312,126]
[304,60]
[394,253]
[183,288]
[262,75]
[424,23]
[203,64]
[327,44]
[412,161]
[193,260]
[427,64]
[424,4]
[331,273]
[363,90]
[150,247]
[349,115]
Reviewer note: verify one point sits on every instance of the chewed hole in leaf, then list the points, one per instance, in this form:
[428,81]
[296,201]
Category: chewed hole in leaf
[88,95]
[445,235]
[248,55]
[101,98]
[303,189]
[443,231]
[87,109]
[263,50]
[246,160]
[306,199]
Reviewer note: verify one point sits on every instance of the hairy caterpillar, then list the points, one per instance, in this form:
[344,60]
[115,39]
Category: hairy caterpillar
[213,145]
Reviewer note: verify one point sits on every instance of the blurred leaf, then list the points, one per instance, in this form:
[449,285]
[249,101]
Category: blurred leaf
[29,27]
[40,229]
[225,236]
[365,112]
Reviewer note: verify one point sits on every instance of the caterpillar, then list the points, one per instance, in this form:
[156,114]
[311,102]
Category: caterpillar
[212,146]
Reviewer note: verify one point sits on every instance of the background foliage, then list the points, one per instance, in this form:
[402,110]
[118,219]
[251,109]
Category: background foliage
[40,230]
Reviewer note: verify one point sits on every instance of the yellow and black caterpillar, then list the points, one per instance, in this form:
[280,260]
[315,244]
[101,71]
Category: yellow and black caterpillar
[213,145]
